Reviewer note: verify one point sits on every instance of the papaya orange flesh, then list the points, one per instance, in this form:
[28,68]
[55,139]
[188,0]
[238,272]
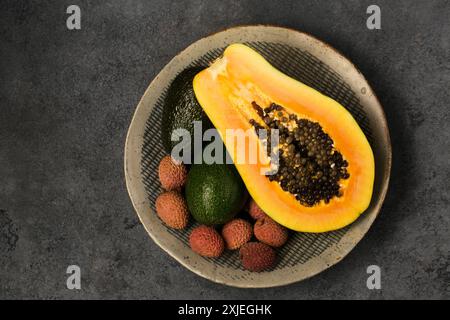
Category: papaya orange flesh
[229,89]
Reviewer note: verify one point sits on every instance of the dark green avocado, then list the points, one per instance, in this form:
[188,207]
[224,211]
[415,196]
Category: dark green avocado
[181,108]
[215,193]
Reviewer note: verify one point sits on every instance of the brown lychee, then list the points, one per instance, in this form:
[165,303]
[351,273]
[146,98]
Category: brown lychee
[269,232]
[257,256]
[172,209]
[236,233]
[172,174]
[255,211]
[206,241]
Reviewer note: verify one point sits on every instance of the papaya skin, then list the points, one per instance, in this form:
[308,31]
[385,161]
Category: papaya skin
[226,90]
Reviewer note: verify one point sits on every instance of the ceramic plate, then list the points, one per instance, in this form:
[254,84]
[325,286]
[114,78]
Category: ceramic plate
[302,57]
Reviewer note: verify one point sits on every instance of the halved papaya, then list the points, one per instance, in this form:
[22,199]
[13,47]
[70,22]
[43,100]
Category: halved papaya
[325,176]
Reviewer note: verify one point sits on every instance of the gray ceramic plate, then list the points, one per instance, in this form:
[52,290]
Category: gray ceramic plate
[302,57]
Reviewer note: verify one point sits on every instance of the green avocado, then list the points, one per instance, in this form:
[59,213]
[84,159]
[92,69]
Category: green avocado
[215,193]
[181,108]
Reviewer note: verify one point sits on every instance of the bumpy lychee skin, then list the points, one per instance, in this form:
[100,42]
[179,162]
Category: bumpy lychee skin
[269,232]
[255,211]
[172,209]
[172,175]
[257,256]
[236,233]
[206,241]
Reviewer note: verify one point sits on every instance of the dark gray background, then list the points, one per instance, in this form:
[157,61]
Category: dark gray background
[67,98]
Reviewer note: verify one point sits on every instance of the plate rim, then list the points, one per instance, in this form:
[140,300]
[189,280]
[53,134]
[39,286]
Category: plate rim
[385,175]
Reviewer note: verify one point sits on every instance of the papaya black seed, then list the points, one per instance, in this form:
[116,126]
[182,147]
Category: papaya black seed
[310,167]
[258,109]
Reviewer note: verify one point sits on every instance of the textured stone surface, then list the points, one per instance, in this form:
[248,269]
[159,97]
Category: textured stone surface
[67,98]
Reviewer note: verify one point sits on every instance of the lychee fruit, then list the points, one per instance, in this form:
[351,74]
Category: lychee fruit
[236,233]
[257,256]
[172,174]
[172,209]
[255,211]
[269,232]
[206,241]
